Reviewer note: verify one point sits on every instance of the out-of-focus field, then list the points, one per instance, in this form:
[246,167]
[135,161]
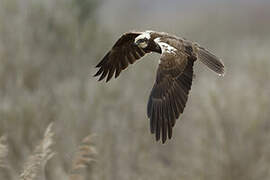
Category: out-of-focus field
[48,50]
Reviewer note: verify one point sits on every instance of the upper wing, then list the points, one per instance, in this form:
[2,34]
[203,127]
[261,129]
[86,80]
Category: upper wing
[170,92]
[123,52]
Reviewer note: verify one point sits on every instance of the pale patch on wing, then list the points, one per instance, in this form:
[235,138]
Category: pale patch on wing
[143,35]
[149,31]
[165,47]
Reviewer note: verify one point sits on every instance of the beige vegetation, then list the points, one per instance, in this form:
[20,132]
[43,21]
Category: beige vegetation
[35,165]
[3,152]
[48,50]
[84,160]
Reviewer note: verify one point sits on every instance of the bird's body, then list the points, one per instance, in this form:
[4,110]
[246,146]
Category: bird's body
[174,75]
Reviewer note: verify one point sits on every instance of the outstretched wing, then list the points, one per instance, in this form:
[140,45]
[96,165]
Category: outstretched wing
[123,53]
[170,92]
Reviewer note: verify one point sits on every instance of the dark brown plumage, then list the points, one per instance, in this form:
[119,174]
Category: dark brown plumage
[174,75]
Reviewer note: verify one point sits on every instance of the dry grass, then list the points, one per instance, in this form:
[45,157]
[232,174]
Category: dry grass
[35,165]
[3,152]
[84,159]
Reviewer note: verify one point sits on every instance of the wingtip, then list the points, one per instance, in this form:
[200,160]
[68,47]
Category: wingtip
[152,129]
[98,72]
[99,64]
[157,137]
[170,135]
[95,75]
[222,74]
[100,78]
[107,80]
[163,141]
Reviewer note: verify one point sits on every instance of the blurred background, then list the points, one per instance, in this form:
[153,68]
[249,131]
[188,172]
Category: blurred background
[48,51]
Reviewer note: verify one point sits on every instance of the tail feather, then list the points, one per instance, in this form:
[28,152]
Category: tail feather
[211,61]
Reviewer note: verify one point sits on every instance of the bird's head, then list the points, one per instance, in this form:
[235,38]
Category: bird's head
[142,40]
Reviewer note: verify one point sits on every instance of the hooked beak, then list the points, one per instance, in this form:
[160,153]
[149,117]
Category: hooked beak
[135,43]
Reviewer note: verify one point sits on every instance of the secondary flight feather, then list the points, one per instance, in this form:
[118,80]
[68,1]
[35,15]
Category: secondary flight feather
[174,75]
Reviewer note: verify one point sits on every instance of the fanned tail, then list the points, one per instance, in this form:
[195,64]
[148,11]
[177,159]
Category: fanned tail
[211,61]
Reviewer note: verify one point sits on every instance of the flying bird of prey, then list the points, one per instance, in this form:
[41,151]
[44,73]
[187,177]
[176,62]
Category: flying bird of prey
[174,74]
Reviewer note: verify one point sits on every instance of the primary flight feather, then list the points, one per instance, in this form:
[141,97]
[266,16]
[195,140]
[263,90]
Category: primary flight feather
[174,74]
